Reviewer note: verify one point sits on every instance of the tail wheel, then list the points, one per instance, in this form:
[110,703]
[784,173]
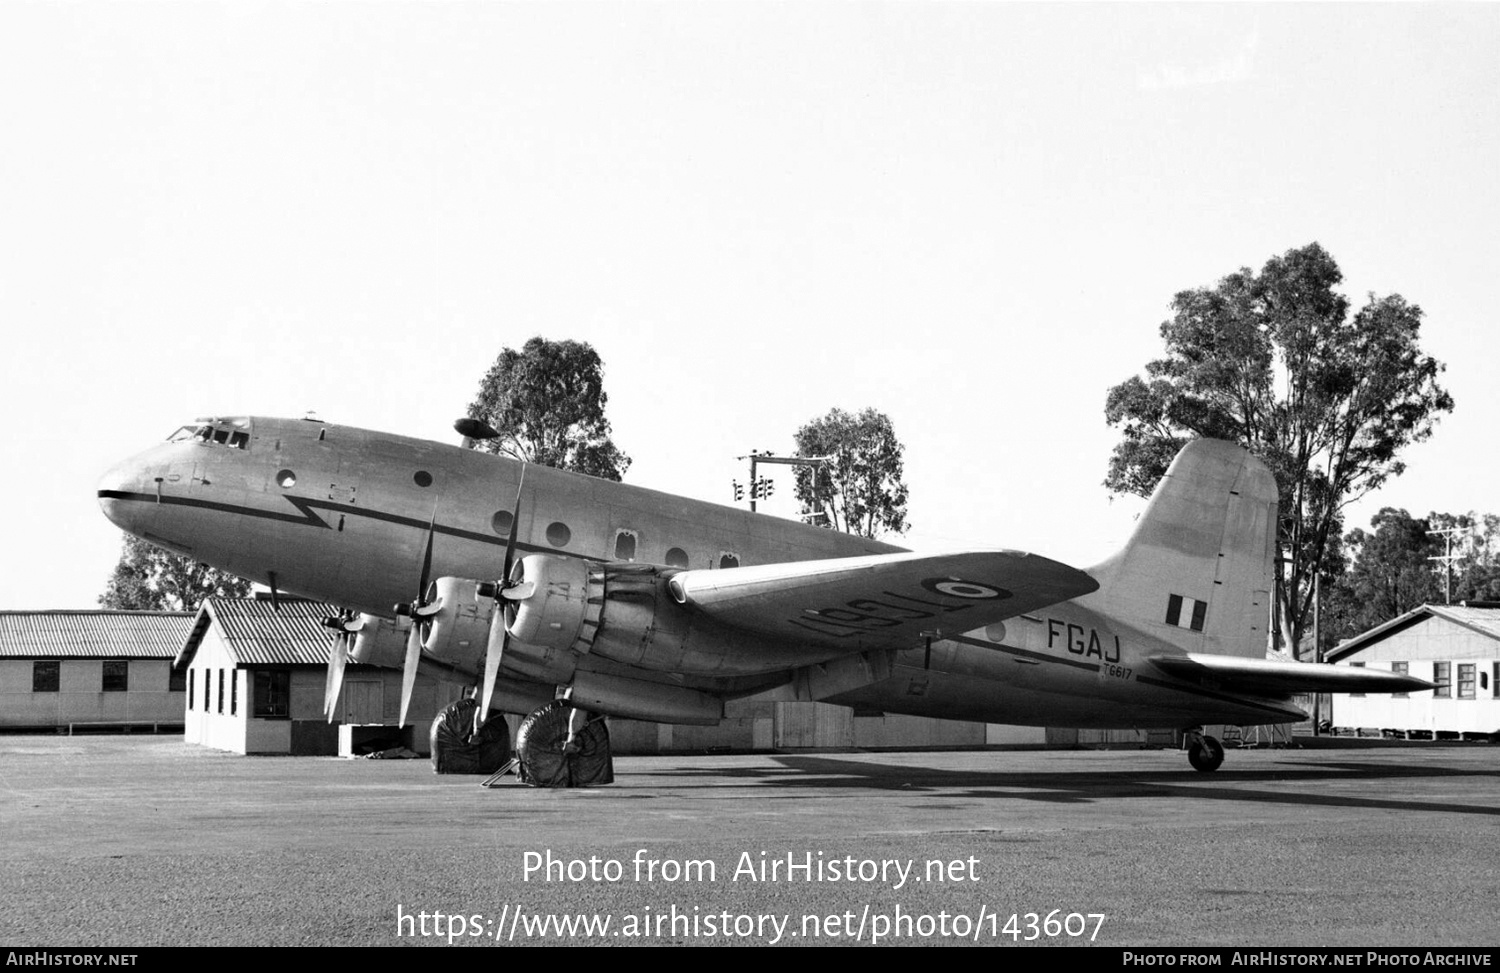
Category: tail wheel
[1206,755]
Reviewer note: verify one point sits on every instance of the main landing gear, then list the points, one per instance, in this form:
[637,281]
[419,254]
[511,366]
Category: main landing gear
[559,746]
[458,749]
[1205,753]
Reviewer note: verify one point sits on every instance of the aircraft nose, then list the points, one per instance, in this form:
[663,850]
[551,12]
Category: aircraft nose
[120,490]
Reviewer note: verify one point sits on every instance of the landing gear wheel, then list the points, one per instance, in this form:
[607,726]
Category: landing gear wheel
[559,746]
[457,749]
[1206,755]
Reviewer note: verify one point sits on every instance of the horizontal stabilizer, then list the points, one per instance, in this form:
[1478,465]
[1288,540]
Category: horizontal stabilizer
[880,601]
[1265,677]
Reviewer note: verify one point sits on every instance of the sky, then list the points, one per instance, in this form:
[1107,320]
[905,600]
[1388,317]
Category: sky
[972,217]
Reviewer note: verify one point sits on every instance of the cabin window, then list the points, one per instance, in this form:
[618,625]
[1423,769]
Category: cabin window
[1356,665]
[116,676]
[1442,675]
[1399,668]
[677,557]
[728,559]
[423,478]
[46,675]
[221,692]
[625,545]
[1466,672]
[234,693]
[558,534]
[500,523]
[272,691]
[192,685]
[286,479]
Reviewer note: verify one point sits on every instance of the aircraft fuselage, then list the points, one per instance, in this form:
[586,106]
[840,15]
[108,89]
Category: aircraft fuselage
[344,515]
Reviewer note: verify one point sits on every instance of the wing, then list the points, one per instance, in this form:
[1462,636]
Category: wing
[883,600]
[1264,677]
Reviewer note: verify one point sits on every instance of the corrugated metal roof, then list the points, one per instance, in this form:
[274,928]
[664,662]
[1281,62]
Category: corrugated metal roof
[256,634]
[82,634]
[1486,621]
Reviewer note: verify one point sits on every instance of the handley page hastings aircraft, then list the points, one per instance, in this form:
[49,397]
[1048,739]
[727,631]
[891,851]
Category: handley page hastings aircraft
[538,585]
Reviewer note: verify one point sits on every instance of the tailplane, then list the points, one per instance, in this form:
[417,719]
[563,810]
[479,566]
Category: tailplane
[1197,570]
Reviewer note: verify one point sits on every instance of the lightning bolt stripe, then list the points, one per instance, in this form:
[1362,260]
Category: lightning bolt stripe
[307,515]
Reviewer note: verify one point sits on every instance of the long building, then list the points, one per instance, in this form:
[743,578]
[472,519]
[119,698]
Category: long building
[68,670]
[1456,647]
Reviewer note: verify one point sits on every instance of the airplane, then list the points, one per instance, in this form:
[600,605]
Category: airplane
[558,593]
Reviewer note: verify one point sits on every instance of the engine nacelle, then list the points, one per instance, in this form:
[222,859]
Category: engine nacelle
[380,641]
[459,631]
[626,612]
[557,609]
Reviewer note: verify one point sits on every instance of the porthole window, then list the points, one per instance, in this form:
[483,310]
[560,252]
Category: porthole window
[286,479]
[501,522]
[558,534]
[625,546]
[729,559]
[423,478]
[677,558]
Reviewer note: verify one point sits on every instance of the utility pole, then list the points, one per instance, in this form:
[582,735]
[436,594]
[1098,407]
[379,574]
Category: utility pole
[763,488]
[1448,557]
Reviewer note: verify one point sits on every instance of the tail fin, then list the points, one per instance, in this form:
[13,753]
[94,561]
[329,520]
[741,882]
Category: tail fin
[1196,572]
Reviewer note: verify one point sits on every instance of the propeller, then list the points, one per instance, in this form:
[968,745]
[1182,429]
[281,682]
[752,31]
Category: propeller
[345,625]
[505,589]
[419,610]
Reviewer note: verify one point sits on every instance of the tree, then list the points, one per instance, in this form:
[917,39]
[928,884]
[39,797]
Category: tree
[860,488]
[1399,566]
[1274,362]
[547,402]
[148,578]
[1391,571]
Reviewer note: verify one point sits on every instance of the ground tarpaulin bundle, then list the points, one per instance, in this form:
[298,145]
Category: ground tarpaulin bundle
[457,749]
[549,760]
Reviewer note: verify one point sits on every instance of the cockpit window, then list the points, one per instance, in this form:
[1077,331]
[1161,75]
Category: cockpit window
[217,432]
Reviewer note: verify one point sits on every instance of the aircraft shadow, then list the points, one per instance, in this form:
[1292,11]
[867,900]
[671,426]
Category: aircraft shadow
[806,771]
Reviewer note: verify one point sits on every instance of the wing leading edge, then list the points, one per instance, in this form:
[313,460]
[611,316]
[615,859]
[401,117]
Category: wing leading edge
[1265,677]
[882,600]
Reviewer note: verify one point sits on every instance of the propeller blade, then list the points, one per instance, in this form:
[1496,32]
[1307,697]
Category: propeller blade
[492,656]
[426,559]
[495,650]
[519,591]
[338,658]
[515,524]
[417,610]
[409,669]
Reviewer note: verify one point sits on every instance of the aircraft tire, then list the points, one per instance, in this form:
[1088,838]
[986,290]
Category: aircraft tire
[1206,756]
[547,761]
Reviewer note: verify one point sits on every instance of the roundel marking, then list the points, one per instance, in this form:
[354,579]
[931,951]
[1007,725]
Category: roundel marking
[959,588]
